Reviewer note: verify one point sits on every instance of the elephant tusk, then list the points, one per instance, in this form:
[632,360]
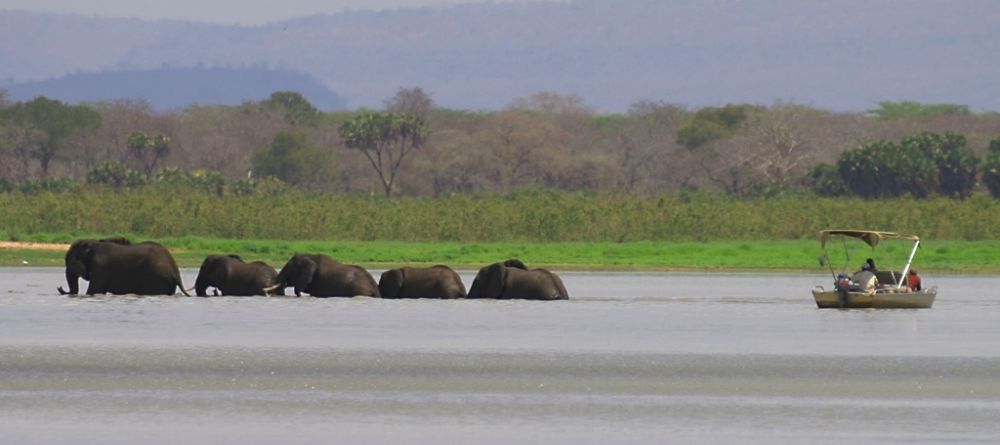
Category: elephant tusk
[269,290]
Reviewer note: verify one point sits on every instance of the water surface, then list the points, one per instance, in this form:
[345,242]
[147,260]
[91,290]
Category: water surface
[632,357]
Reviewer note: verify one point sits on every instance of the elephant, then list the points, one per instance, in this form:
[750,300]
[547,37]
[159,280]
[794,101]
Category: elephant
[230,275]
[511,279]
[322,276]
[430,282]
[116,266]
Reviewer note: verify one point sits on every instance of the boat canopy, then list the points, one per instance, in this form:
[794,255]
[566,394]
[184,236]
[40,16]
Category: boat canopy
[872,237]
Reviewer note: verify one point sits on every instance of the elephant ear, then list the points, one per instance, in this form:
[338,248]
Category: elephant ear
[87,251]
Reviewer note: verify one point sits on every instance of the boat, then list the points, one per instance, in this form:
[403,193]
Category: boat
[891,292]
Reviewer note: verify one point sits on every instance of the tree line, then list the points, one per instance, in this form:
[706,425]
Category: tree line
[412,147]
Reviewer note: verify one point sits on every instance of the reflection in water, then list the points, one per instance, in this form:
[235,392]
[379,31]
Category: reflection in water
[632,358]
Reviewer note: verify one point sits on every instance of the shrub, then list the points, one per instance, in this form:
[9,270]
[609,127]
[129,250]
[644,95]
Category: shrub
[825,180]
[884,169]
[54,185]
[115,174]
[956,164]
[918,165]
[6,186]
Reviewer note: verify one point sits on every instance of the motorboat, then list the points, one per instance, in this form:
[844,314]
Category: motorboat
[889,290]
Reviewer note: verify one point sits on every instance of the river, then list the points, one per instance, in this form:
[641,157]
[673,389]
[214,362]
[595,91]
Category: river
[631,358]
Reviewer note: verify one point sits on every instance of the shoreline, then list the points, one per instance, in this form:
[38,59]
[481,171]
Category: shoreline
[51,254]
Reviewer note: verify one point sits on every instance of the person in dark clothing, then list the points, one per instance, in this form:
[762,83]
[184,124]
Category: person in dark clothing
[871,265]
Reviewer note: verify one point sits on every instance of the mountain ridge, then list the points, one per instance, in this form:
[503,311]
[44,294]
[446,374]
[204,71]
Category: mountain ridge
[843,56]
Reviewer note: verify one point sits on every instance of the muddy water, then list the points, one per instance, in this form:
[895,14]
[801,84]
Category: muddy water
[633,357]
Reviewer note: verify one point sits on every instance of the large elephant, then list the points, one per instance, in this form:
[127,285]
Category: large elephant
[511,279]
[321,276]
[232,276]
[116,266]
[430,282]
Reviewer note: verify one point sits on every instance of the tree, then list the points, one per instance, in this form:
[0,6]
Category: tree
[293,158]
[148,149]
[295,109]
[825,180]
[646,137]
[888,110]
[410,101]
[956,164]
[885,169]
[53,122]
[548,102]
[385,138]
[712,123]
[991,169]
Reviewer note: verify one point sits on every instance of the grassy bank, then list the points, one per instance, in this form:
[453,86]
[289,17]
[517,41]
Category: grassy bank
[687,231]
[788,255]
[524,217]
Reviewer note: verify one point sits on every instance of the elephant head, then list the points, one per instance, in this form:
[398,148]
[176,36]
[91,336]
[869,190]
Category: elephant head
[79,261]
[489,282]
[214,271]
[298,272]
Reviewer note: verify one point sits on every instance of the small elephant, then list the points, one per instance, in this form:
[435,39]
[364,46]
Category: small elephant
[511,279]
[232,276]
[321,276]
[430,282]
[116,266]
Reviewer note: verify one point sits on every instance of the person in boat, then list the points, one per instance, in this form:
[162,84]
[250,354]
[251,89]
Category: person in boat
[865,280]
[871,265]
[913,281]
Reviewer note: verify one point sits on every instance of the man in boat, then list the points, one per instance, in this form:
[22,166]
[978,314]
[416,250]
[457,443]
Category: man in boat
[871,265]
[864,280]
[913,281]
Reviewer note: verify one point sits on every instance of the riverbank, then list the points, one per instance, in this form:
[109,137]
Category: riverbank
[935,256]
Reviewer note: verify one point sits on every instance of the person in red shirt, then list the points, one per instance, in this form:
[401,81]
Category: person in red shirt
[913,281]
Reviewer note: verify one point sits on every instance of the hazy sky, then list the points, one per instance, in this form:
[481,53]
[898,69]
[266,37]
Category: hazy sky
[247,12]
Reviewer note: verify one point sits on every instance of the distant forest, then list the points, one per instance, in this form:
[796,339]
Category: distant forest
[412,147]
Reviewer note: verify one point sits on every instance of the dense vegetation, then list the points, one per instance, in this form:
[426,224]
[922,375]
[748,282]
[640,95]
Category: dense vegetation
[265,210]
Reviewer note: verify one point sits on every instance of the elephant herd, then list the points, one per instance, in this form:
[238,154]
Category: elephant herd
[117,266]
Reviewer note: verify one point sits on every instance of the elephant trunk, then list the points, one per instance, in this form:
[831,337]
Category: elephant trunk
[200,288]
[280,283]
[72,279]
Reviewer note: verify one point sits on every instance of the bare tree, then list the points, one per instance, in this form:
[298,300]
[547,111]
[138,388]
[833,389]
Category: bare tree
[645,141]
[521,147]
[411,101]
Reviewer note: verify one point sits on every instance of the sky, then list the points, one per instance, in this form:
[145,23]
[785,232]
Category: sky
[242,12]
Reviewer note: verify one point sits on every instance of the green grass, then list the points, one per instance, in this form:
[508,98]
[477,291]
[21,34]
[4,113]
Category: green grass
[787,255]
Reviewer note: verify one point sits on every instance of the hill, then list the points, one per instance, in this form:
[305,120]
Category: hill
[843,55]
[175,88]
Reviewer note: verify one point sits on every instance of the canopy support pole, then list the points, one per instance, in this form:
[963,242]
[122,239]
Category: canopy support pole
[909,260]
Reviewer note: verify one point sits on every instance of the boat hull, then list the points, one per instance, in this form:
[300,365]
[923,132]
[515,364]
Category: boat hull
[881,299]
